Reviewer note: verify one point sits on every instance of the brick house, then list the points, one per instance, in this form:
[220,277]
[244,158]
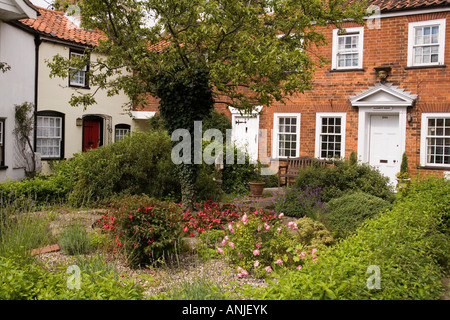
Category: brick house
[385,91]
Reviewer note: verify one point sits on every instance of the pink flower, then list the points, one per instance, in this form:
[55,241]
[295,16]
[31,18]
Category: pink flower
[230,227]
[239,269]
[256,252]
[244,219]
[279,230]
[268,269]
[299,267]
[292,225]
[244,273]
[224,243]
[226,238]
[315,260]
[239,275]
[219,250]
[231,244]
[240,255]
[302,255]
[256,263]
[185,229]
[266,226]
[281,215]
[279,262]
[258,245]
[312,253]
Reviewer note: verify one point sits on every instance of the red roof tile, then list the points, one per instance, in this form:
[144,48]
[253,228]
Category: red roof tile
[394,5]
[55,24]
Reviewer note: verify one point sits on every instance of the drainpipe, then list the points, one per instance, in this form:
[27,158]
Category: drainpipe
[37,43]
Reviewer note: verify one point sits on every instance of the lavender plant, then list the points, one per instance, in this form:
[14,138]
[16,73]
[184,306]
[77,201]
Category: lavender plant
[298,202]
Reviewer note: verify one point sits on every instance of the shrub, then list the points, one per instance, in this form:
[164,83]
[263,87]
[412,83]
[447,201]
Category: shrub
[31,281]
[22,232]
[345,214]
[74,240]
[313,234]
[197,289]
[261,244]
[344,177]
[42,190]
[209,216]
[137,164]
[209,240]
[237,175]
[409,243]
[143,228]
[299,202]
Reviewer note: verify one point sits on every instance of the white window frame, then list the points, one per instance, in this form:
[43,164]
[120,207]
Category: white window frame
[411,41]
[275,133]
[318,141]
[58,138]
[120,132]
[335,47]
[424,135]
[82,71]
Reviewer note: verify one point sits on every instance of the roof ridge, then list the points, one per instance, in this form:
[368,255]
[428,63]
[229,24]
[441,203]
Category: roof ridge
[50,10]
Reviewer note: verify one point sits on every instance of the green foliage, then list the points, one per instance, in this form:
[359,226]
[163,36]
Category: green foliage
[262,233]
[209,240]
[20,281]
[22,232]
[344,177]
[74,240]
[404,171]
[124,167]
[41,190]
[313,234]
[409,244]
[299,202]
[145,229]
[353,158]
[238,173]
[218,121]
[345,214]
[197,289]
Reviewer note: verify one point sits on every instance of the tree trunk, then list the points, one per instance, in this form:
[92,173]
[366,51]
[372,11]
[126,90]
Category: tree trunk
[188,176]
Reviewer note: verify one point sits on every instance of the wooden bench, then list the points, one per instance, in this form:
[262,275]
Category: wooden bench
[293,165]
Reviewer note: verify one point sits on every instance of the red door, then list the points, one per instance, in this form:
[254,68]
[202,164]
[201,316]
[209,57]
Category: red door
[91,134]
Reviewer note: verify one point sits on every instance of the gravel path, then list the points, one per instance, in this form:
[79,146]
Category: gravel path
[165,278]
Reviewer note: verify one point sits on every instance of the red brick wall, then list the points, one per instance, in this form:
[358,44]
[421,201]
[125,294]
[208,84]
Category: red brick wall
[331,90]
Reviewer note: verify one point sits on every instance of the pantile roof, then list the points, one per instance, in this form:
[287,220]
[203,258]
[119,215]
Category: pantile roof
[56,25]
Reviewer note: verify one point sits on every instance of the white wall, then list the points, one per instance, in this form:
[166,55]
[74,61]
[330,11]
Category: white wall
[16,87]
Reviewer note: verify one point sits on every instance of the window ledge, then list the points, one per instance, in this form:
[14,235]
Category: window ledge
[79,87]
[426,67]
[434,168]
[347,70]
[3,167]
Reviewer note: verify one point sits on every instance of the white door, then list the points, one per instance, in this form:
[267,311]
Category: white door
[384,146]
[245,134]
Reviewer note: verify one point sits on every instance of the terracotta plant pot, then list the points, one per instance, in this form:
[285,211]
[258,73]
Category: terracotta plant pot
[256,188]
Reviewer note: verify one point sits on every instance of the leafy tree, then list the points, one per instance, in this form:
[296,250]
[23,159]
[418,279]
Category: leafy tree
[192,54]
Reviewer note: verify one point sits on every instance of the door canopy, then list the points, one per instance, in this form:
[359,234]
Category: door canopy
[383,95]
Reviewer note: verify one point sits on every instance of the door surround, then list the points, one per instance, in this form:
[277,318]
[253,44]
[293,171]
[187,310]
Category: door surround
[383,99]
